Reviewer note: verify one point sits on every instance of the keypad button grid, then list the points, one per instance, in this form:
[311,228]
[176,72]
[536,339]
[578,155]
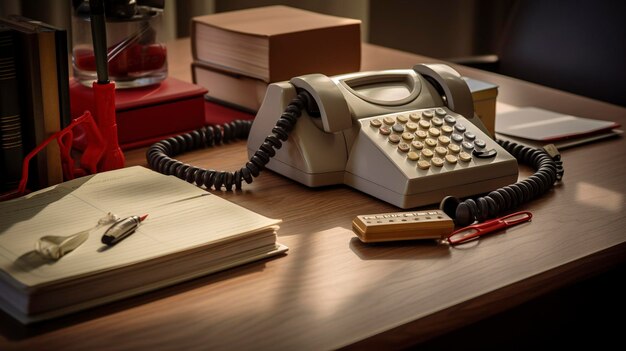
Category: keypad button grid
[430,139]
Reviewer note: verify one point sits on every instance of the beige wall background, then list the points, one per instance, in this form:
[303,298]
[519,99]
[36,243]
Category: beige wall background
[442,28]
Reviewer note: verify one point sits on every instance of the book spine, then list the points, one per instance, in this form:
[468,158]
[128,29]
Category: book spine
[63,76]
[229,88]
[11,150]
[51,109]
[30,97]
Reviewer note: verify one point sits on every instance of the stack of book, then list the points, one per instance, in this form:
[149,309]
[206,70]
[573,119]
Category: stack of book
[484,95]
[237,54]
[35,99]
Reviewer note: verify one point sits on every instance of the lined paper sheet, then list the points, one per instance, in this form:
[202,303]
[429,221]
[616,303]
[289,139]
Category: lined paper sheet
[177,221]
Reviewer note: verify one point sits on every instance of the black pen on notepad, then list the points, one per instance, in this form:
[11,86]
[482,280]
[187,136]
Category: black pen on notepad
[122,229]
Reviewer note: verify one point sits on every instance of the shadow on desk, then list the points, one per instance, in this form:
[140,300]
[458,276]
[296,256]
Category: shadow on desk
[396,250]
[11,329]
[589,313]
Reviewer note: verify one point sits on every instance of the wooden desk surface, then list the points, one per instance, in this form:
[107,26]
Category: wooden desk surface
[332,291]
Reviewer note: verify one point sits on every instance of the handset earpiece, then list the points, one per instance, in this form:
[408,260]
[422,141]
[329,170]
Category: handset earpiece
[333,108]
[458,97]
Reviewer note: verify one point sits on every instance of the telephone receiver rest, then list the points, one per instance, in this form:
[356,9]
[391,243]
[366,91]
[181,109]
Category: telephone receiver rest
[333,108]
[450,84]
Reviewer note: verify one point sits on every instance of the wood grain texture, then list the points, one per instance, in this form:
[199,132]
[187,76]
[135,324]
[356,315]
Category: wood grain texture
[332,291]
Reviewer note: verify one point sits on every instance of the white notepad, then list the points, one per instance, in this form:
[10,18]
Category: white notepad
[189,232]
[543,125]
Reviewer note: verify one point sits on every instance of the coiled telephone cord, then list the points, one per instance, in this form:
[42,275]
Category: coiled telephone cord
[546,162]
[160,154]
[548,170]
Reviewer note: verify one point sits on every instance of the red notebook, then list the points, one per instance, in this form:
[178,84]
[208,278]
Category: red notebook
[146,115]
[220,114]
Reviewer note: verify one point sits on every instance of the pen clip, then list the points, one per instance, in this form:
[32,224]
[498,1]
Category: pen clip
[473,231]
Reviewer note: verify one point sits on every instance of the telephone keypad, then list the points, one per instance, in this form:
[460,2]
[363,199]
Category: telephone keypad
[465,157]
[454,148]
[376,123]
[446,129]
[430,142]
[485,154]
[427,153]
[449,119]
[434,132]
[421,134]
[437,162]
[479,143]
[469,136]
[411,126]
[424,124]
[433,138]
[418,145]
[467,145]
[441,151]
[404,147]
[451,159]
[422,164]
[398,128]
[413,156]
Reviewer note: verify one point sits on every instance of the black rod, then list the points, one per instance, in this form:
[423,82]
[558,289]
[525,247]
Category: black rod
[99,37]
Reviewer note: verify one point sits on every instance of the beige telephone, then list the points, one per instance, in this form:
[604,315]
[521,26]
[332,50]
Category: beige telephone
[408,137]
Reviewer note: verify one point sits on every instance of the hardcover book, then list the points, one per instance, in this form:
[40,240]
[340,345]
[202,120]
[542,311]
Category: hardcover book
[231,89]
[38,47]
[11,151]
[275,43]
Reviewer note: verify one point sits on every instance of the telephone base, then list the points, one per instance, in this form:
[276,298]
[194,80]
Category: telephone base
[427,197]
[309,179]
[390,134]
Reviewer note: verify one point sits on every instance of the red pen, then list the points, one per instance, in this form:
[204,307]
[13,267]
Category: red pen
[475,230]
[104,91]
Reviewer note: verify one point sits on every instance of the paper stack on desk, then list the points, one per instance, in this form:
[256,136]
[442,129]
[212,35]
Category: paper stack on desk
[537,127]
[188,233]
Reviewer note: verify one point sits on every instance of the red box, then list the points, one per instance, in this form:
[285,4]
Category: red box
[148,114]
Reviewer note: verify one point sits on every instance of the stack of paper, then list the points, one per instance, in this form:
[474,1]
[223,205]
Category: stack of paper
[536,127]
[188,233]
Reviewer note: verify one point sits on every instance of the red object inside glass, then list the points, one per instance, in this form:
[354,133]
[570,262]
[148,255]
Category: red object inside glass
[135,59]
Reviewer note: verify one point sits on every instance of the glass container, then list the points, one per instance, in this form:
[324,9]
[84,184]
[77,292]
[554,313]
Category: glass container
[136,54]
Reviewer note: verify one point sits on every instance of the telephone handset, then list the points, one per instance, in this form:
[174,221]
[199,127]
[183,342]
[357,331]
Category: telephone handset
[408,137]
